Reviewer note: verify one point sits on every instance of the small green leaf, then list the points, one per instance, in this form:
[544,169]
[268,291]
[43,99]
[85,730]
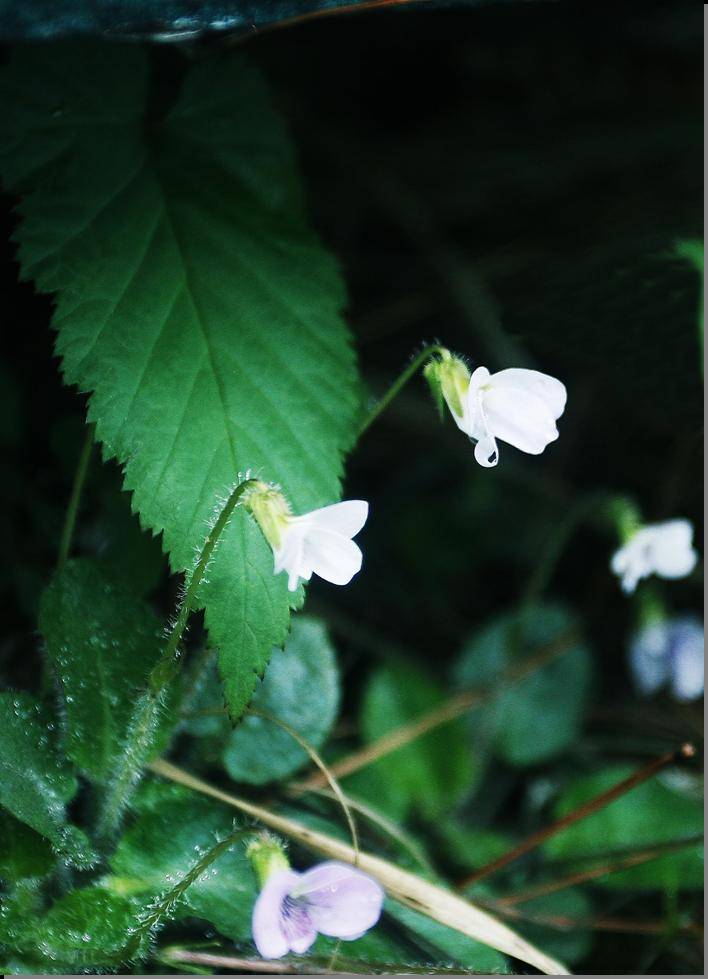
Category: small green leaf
[665,809]
[174,829]
[431,773]
[102,641]
[540,715]
[23,852]
[301,688]
[35,784]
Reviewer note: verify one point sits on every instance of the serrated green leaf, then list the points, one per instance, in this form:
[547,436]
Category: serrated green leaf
[540,715]
[662,810]
[23,852]
[174,829]
[428,775]
[192,301]
[35,784]
[102,641]
[301,688]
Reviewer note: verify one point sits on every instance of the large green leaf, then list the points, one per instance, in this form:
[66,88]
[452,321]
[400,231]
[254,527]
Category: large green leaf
[35,784]
[103,642]
[431,773]
[301,688]
[540,715]
[664,810]
[192,301]
[174,830]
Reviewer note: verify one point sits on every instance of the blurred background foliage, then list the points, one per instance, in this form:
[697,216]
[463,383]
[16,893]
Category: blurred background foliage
[512,180]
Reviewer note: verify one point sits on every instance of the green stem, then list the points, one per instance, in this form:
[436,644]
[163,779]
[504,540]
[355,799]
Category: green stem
[165,905]
[168,665]
[67,533]
[383,403]
[140,737]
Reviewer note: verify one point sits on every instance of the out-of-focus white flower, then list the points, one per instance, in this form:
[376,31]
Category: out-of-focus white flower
[665,549]
[669,652]
[516,405]
[319,542]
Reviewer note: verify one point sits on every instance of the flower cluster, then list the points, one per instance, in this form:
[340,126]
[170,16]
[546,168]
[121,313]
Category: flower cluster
[520,407]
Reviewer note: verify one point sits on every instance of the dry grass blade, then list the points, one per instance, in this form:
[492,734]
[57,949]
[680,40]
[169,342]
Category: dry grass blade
[429,899]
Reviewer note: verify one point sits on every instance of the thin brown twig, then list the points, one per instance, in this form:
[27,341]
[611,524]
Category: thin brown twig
[566,923]
[313,967]
[582,876]
[448,711]
[582,812]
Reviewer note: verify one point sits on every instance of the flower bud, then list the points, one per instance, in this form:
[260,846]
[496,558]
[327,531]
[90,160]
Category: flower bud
[449,378]
[270,509]
[267,856]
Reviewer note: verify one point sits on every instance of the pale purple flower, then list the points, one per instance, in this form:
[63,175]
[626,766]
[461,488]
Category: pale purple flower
[669,652]
[331,898]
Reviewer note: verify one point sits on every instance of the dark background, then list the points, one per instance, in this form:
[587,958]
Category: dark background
[510,180]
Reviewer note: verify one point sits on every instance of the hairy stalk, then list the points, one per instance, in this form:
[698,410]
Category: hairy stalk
[163,907]
[167,666]
[67,533]
[404,377]
[140,738]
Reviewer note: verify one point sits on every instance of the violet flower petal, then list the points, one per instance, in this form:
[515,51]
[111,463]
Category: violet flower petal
[342,902]
[267,922]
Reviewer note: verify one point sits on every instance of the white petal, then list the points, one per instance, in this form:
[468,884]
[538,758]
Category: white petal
[480,378]
[674,556]
[549,389]
[519,418]
[267,921]
[486,452]
[346,518]
[333,557]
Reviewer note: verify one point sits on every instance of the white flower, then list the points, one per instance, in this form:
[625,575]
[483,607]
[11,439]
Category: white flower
[665,549]
[319,542]
[669,651]
[516,405]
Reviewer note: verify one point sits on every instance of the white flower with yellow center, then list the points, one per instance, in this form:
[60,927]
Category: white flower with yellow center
[516,405]
[319,542]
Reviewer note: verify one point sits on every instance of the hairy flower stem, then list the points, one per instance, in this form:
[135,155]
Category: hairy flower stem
[144,724]
[400,382]
[163,907]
